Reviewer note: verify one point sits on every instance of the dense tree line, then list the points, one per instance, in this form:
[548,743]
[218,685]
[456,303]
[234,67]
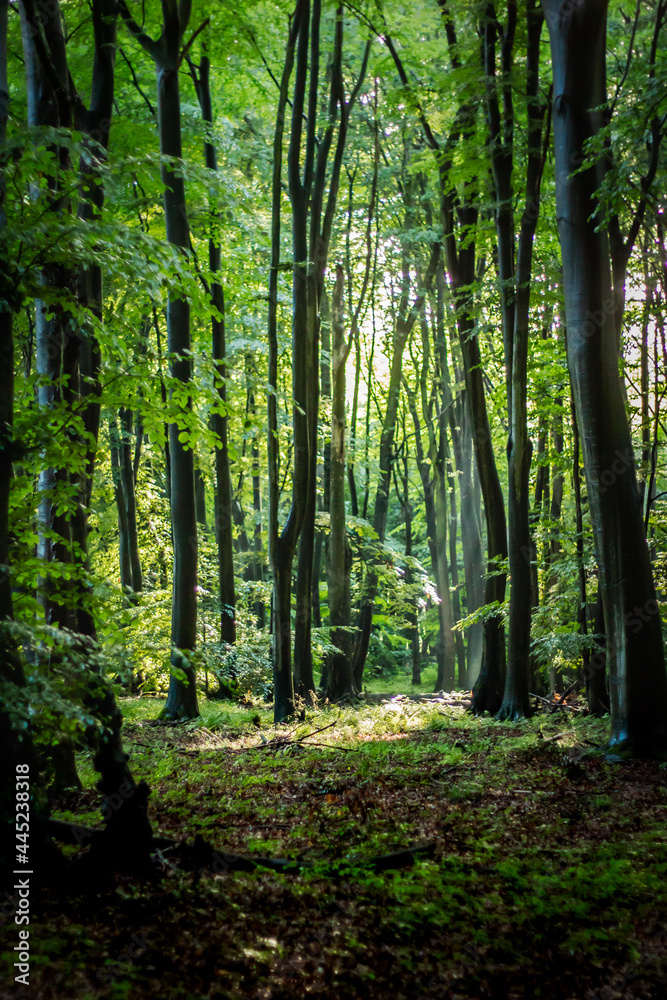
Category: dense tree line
[332,335]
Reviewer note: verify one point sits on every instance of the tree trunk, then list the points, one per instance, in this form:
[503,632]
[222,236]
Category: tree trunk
[593,665]
[200,497]
[95,126]
[448,421]
[257,565]
[125,563]
[515,294]
[219,419]
[281,545]
[182,697]
[635,653]
[129,494]
[340,554]
[305,344]
[471,539]
[50,102]
[488,688]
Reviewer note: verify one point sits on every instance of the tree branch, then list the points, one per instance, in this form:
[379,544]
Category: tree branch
[146,42]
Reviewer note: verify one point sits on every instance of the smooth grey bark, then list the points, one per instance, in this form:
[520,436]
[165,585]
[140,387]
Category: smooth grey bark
[411,615]
[324,467]
[339,553]
[437,450]
[306,193]
[95,123]
[129,496]
[166,54]
[357,312]
[53,100]
[471,538]
[557,484]
[200,497]
[453,418]
[594,665]
[515,307]
[282,544]
[219,419]
[51,103]
[125,563]
[635,652]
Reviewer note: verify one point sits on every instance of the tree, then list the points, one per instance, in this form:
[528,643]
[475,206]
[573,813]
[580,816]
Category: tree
[635,653]
[223,481]
[514,280]
[167,55]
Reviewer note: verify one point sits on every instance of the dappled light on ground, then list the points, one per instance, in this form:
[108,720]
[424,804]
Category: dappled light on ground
[545,877]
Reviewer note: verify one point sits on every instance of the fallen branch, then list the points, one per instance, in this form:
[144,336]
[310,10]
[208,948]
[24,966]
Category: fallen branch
[558,736]
[200,856]
[284,741]
[553,704]
[564,695]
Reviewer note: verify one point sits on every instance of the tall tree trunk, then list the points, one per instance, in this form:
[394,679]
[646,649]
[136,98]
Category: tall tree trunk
[95,125]
[219,419]
[340,554]
[281,544]
[411,615]
[555,508]
[50,102]
[635,653]
[452,416]
[438,455]
[305,343]
[129,493]
[124,559]
[182,696]
[593,665]
[257,565]
[488,688]
[321,223]
[515,297]
[200,497]
[471,538]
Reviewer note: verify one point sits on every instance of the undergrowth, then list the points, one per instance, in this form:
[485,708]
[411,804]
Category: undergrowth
[547,878]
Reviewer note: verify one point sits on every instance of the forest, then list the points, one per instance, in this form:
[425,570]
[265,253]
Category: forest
[333,499]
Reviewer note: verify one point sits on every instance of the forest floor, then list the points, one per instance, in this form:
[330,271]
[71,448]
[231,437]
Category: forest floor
[548,877]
